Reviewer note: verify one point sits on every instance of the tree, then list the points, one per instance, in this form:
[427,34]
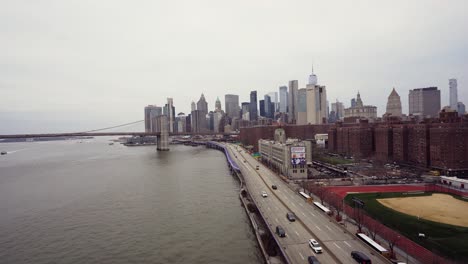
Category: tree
[372,226]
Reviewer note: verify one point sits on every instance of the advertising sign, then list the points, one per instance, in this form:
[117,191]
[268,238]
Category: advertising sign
[298,156]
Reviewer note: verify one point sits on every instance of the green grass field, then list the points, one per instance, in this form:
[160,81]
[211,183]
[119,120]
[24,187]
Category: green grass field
[446,240]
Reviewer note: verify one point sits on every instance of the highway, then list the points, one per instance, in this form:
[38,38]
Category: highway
[311,222]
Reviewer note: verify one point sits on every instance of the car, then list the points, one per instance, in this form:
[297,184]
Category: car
[291,217]
[257,168]
[312,260]
[360,257]
[280,231]
[274,187]
[315,246]
[264,194]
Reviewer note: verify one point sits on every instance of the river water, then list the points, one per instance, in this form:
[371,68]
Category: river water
[91,202]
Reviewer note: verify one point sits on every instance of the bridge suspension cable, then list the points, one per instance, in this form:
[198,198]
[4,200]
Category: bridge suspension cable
[106,128]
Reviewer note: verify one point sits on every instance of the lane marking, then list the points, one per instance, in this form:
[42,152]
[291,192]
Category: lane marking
[328,227]
[347,244]
[301,205]
[276,219]
[293,203]
[296,232]
[336,245]
[301,255]
[312,214]
[318,227]
[303,214]
[269,209]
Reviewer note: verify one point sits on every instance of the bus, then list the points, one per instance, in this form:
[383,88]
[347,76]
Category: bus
[383,251]
[323,208]
[307,197]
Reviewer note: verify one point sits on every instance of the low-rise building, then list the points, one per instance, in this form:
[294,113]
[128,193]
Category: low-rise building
[290,158]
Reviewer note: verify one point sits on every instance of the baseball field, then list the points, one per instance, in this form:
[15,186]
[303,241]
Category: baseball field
[438,207]
[441,217]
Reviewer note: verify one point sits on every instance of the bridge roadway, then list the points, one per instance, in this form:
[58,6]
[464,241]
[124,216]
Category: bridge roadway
[98,134]
[311,222]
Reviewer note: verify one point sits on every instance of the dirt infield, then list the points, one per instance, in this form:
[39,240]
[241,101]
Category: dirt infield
[441,208]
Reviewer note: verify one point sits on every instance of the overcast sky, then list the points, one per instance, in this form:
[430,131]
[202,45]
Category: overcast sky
[70,65]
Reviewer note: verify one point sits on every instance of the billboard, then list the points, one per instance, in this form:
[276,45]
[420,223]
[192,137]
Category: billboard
[298,156]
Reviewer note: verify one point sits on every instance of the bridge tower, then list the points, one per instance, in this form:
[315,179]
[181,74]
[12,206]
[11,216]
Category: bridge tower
[163,138]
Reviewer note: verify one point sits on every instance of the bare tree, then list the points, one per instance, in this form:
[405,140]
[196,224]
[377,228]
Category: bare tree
[372,226]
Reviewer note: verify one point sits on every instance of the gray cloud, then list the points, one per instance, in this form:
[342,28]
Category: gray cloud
[105,60]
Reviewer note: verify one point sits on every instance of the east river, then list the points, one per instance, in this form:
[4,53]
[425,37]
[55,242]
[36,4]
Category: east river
[91,202]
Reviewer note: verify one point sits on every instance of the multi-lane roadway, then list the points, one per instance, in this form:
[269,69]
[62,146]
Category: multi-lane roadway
[310,222]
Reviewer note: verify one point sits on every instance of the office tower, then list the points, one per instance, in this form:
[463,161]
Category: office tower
[180,123]
[218,105]
[232,105]
[198,121]
[461,108]
[316,104]
[453,94]
[171,114]
[269,106]
[151,112]
[283,104]
[292,101]
[210,120]
[202,105]
[253,111]
[245,111]
[302,106]
[338,109]
[353,102]
[262,107]
[193,106]
[312,78]
[188,122]
[394,104]
[274,100]
[424,102]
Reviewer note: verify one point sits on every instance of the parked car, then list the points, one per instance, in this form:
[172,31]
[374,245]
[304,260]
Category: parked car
[280,231]
[361,257]
[274,187]
[315,246]
[291,217]
[264,194]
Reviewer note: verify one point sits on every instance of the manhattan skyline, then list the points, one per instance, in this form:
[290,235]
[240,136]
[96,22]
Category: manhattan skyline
[68,67]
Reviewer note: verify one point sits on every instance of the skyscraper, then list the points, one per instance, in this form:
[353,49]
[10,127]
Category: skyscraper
[193,106]
[283,94]
[245,111]
[253,111]
[274,100]
[262,107]
[316,104]
[301,106]
[453,94]
[218,105]
[202,105]
[394,104]
[171,114]
[151,112]
[268,106]
[461,108]
[338,108]
[424,102]
[231,105]
[292,101]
